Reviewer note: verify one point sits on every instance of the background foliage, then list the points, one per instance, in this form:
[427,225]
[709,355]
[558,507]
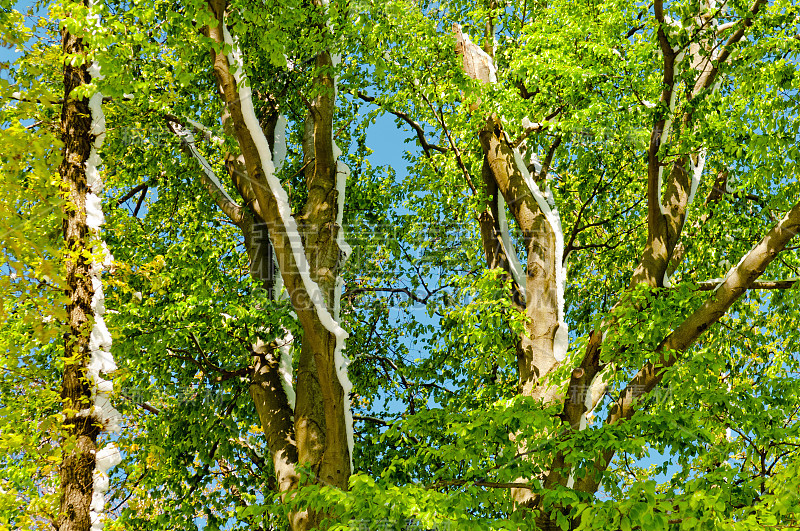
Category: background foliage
[432,348]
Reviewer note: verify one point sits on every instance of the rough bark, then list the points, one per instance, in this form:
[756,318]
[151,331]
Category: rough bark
[80,442]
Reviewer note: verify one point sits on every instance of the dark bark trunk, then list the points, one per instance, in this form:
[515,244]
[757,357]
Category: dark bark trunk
[80,441]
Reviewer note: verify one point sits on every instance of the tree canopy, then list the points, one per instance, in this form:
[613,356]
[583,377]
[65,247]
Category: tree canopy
[574,306]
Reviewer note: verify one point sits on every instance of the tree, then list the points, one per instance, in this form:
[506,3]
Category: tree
[627,155]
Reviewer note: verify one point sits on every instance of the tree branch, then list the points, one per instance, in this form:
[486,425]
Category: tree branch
[549,159]
[144,405]
[426,146]
[135,190]
[214,187]
[707,80]
[739,280]
[140,201]
[410,294]
[453,146]
[199,128]
[370,419]
[710,285]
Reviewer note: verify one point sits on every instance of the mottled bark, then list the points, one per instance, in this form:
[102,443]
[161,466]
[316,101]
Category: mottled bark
[501,174]
[318,431]
[666,219]
[541,307]
[80,442]
[318,225]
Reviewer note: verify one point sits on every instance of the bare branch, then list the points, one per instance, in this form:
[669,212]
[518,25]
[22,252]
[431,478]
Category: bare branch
[549,159]
[226,374]
[135,190]
[370,419]
[144,405]
[410,294]
[140,201]
[212,185]
[535,127]
[453,146]
[198,128]
[139,187]
[426,146]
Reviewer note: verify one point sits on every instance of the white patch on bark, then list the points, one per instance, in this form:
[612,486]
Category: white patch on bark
[546,204]
[207,132]
[668,123]
[285,367]
[280,143]
[697,172]
[590,401]
[284,210]
[561,339]
[106,458]
[94,211]
[339,359]
[663,140]
[530,158]
[285,372]
[342,172]
[660,183]
[101,360]
[485,60]
[511,252]
[188,137]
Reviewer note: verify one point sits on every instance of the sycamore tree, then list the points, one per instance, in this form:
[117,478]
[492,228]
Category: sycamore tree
[573,308]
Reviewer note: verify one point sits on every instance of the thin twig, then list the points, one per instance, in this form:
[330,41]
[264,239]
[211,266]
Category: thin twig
[426,146]
[452,145]
[140,201]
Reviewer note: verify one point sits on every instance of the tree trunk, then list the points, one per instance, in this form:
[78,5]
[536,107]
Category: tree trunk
[80,443]
[306,249]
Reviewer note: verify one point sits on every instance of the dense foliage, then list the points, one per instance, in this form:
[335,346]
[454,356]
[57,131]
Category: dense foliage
[443,428]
